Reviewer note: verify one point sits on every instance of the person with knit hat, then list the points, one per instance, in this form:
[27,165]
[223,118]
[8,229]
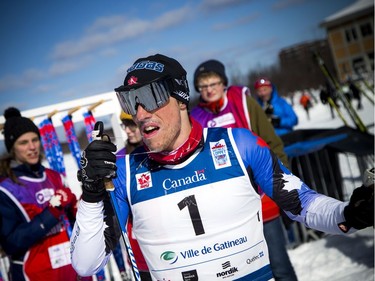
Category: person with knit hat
[230,106]
[34,205]
[233,107]
[193,192]
[279,112]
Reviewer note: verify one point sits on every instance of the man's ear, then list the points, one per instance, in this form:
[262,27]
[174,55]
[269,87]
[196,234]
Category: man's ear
[182,105]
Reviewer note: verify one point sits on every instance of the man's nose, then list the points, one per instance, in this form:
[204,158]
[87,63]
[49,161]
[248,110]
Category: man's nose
[142,113]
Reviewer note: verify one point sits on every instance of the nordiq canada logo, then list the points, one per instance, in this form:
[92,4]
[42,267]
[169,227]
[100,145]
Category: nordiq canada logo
[144,180]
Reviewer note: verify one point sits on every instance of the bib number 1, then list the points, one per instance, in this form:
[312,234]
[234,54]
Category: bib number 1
[195,216]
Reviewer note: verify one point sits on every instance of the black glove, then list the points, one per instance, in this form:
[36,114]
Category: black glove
[268,109]
[360,211]
[98,162]
[275,121]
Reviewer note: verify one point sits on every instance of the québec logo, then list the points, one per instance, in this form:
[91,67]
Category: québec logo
[169,257]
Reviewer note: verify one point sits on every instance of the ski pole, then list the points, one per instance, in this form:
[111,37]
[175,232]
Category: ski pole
[368,86]
[366,95]
[332,103]
[353,114]
[97,134]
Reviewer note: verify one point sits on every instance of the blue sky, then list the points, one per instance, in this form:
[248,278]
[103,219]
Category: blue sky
[57,51]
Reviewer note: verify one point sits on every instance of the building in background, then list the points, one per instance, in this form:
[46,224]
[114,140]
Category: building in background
[350,34]
[302,71]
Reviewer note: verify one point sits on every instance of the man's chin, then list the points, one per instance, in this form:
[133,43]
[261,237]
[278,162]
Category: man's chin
[152,147]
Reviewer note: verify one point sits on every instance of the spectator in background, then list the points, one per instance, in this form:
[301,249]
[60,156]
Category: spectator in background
[233,107]
[355,92]
[328,95]
[279,112]
[134,140]
[305,101]
[34,206]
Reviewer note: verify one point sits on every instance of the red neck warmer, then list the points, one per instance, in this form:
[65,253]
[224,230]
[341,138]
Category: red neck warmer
[178,155]
[214,107]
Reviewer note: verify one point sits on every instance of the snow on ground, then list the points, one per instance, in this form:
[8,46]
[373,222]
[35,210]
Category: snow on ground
[320,114]
[335,257]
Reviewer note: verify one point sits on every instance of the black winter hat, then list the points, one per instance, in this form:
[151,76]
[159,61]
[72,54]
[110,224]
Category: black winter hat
[15,126]
[154,68]
[210,66]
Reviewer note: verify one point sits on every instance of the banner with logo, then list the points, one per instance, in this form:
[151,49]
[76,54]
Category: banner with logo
[52,146]
[72,138]
[89,121]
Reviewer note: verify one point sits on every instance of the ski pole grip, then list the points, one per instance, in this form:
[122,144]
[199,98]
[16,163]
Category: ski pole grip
[97,134]
[369,177]
[108,184]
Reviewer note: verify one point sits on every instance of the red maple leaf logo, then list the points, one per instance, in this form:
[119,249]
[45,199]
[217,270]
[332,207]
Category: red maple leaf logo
[144,179]
[132,80]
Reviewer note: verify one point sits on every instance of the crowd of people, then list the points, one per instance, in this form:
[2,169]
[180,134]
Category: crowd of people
[204,191]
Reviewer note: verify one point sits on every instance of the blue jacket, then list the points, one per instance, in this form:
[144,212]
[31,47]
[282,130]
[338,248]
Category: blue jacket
[282,109]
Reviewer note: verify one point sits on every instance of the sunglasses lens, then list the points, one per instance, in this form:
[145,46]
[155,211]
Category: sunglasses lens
[150,97]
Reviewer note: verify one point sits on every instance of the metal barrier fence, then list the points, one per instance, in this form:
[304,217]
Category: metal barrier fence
[330,173]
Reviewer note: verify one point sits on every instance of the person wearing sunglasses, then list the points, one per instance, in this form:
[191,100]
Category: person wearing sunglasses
[233,107]
[193,192]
